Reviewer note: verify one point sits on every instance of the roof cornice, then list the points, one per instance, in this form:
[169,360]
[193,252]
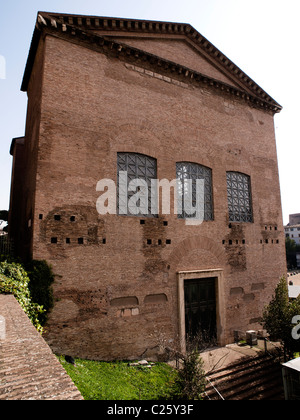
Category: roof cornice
[16,140]
[80,28]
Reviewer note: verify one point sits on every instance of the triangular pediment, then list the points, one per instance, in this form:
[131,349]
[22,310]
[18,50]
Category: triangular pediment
[175,46]
[180,51]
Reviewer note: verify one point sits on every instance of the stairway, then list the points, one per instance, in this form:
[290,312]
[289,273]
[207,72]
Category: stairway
[258,378]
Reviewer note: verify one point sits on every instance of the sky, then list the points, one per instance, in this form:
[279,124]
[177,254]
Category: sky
[260,36]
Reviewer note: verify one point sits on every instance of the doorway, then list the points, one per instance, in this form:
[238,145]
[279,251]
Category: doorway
[201,307]
[200,312]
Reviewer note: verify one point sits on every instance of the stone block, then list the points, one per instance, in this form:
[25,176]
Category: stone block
[251,338]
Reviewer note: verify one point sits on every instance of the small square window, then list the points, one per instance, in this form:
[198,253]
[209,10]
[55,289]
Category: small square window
[168,241]
[68,240]
[54,240]
[142,222]
[40,216]
[165,223]
[149,241]
[72,218]
[104,241]
[159,242]
[57,217]
[80,241]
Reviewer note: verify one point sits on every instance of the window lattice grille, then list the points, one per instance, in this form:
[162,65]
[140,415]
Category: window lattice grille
[140,167]
[192,171]
[239,197]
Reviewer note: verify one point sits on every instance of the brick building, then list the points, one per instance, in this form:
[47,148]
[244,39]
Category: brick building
[156,100]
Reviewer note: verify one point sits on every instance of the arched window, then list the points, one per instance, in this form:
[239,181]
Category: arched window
[239,197]
[189,194]
[135,172]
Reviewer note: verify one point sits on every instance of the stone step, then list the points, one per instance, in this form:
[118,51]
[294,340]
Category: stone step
[258,378]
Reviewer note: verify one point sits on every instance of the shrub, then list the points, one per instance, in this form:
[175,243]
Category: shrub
[278,316]
[191,380]
[14,280]
[41,278]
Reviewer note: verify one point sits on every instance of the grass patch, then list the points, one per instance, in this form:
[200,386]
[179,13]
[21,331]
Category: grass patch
[118,381]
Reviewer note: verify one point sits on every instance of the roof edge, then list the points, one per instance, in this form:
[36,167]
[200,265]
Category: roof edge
[83,24]
[13,144]
[31,56]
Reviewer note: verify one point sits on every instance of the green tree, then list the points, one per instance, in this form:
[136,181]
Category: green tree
[191,380]
[290,245]
[4,215]
[291,249]
[278,316]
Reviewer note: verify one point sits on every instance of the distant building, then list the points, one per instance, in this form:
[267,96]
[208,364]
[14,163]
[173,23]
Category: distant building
[294,219]
[291,379]
[293,232]
[294,292]
[298,259]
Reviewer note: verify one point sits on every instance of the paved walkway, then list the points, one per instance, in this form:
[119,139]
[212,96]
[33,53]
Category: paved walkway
[221,357]
[28,368]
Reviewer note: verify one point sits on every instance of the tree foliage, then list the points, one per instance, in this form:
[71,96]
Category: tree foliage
[4,215]
[278,317]
[291,249]
[40,285]
[191,380]
[14,280]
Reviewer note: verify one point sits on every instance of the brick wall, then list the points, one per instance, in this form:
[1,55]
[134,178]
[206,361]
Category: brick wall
[28,368]
[94,106]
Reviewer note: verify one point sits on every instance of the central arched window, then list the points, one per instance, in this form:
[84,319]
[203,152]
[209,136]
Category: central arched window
[189,195]
[135,173]
[239,197]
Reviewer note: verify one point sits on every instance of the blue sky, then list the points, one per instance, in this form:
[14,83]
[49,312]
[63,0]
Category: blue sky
[260,36]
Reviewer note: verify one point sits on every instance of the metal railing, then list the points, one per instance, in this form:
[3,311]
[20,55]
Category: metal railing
[276,352]
[212,385]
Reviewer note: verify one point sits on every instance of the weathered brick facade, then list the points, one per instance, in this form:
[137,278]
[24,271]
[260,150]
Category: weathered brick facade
[98,87]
